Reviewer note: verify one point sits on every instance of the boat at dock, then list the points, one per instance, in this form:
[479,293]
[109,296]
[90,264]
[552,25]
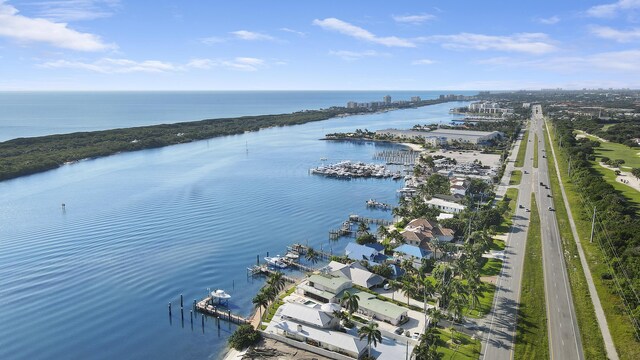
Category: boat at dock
[292,255]
[276,261]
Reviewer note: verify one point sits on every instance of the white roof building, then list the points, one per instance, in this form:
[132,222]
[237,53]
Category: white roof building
[445,206]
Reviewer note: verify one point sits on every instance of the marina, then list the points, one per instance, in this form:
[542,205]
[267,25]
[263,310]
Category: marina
[348,170]
[397,157]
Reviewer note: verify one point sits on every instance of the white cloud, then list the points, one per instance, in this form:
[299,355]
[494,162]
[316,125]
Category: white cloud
[622,36]
[548,21]
[211,40]
[26,29]
[612,9]
[413,19]
[299,33]
[252,36]
[423,62]
[239,63]
[114,66]
[75,10]
[530,43]
[356,55]
[360,33]
[626,61]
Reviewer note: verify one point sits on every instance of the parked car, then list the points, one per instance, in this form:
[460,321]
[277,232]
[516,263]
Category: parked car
[399,331]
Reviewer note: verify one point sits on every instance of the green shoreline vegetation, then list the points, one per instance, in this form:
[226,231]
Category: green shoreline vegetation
[532,339]
[26,156]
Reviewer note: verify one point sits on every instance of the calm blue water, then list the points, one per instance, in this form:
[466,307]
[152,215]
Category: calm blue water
[24,114]
[140,228]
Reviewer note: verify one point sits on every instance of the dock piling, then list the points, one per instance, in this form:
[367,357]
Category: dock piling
[181,304]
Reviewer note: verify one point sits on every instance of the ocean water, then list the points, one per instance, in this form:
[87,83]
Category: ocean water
[93,280]
[25,114]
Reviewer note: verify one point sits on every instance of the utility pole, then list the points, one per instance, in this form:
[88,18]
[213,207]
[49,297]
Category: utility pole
[593,224]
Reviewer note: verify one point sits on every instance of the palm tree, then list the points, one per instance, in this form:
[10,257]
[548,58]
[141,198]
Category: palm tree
[407,288]
[260,301]
[393,286]
[383,233]
[435,315]
[363,228]
[371,332]
[474,290]
[312,255]
[427,349]
[456,305]
[350,301]
[276,281]
[269,292]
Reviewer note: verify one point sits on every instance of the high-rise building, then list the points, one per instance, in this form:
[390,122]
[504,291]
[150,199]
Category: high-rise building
[415,99]
[387,99]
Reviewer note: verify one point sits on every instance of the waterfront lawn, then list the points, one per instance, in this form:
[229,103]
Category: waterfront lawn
[522,150]
[535,150]
[273,307]
[463,348]
[516,177]
[532,340]
[592,342]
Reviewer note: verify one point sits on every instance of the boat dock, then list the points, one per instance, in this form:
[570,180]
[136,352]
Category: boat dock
[344,230]
[371,203]
[366,220]
[395,157]
[205,306]
[302,249]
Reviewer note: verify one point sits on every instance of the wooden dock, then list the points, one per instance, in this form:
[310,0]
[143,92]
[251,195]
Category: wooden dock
[264,269]
[204,306]
[302,249]
[366,220]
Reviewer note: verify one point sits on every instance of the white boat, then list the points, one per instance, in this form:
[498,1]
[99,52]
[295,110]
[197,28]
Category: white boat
[292,255]
[276,261]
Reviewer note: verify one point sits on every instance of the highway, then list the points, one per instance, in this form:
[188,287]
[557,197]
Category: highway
[564,335]
[500,325]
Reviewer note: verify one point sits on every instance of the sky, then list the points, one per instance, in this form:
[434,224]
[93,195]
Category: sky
[318,45]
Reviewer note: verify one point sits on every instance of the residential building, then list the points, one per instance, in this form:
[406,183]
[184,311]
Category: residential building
[386,311]
[314,327]
[357,252]
[413,253]
[324,288]
[358,274]
[445,206]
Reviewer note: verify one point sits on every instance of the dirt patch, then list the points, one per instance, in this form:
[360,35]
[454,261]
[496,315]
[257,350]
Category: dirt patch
[276,350]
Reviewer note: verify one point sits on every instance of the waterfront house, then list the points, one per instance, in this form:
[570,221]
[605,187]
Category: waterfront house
[413,253]
[306,315]
[357,252]
[358,274]
[312,326]
[324,287]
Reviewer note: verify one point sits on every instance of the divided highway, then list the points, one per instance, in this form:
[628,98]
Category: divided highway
[564,335]
[500,325]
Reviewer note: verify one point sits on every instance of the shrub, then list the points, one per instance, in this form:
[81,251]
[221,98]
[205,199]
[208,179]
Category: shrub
[245,335]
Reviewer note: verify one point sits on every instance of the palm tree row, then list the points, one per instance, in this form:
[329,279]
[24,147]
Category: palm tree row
[269,293]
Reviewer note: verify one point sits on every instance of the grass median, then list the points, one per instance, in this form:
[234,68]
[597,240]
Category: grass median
[535,150]
[532,339]
[522,150]
[516,177]
[592,342]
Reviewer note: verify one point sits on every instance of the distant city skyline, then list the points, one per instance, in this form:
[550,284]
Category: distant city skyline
[327,45]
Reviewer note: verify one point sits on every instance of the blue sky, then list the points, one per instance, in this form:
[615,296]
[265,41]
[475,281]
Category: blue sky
[318,45]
